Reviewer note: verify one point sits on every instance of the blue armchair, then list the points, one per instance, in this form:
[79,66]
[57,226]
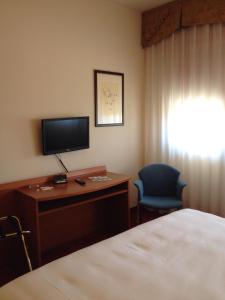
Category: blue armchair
[159,187]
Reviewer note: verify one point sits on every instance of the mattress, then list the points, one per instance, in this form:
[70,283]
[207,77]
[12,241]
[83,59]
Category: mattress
[176,257]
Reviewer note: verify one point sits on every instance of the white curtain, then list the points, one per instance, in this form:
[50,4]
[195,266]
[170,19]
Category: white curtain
[185,112]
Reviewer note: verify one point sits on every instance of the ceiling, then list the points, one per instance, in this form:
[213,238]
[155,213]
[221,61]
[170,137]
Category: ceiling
[142,5]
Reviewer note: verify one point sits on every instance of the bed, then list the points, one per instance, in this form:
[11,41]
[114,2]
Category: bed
[176,257]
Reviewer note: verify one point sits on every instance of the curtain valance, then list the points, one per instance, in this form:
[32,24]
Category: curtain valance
[161,22]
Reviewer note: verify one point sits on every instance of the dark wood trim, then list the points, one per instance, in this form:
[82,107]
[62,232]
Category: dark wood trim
[96,72]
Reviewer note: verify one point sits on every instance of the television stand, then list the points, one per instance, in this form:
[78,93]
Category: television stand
[70,216]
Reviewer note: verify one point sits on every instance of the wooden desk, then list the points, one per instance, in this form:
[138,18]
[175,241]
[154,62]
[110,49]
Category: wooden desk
[71,216]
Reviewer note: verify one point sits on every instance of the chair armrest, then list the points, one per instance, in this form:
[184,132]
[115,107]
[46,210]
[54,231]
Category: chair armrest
[180,186]
[139,185]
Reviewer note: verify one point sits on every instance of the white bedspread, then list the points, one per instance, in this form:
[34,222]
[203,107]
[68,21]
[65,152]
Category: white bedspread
[179,256]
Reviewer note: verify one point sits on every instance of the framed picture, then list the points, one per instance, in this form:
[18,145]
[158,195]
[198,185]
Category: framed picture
[109,98]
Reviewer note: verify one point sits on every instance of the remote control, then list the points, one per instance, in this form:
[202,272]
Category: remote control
[80,181]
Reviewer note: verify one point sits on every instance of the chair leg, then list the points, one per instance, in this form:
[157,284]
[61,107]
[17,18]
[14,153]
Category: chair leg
[138,214]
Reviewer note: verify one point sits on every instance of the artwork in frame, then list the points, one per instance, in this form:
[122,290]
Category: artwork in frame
[109,98]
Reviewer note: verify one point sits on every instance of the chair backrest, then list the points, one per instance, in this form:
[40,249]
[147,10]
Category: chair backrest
[159,180]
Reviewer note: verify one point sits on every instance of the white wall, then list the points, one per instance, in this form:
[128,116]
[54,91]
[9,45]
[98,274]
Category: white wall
[48,51]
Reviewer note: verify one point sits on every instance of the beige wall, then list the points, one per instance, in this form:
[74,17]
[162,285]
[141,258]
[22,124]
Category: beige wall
[48,51]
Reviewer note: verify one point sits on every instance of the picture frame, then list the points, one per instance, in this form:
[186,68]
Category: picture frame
[109,98]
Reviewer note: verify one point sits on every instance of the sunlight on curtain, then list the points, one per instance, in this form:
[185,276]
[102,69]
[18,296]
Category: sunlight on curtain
[185,112]
[195,126]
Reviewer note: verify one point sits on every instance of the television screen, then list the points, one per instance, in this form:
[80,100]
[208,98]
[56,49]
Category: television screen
[65,134]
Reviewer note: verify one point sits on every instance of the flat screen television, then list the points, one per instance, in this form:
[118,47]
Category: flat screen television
[65,134]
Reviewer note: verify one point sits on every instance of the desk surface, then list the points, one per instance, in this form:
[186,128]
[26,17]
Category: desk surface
[72,188]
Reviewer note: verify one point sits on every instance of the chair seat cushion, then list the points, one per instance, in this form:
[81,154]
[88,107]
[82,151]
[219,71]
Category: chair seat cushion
[161,202]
